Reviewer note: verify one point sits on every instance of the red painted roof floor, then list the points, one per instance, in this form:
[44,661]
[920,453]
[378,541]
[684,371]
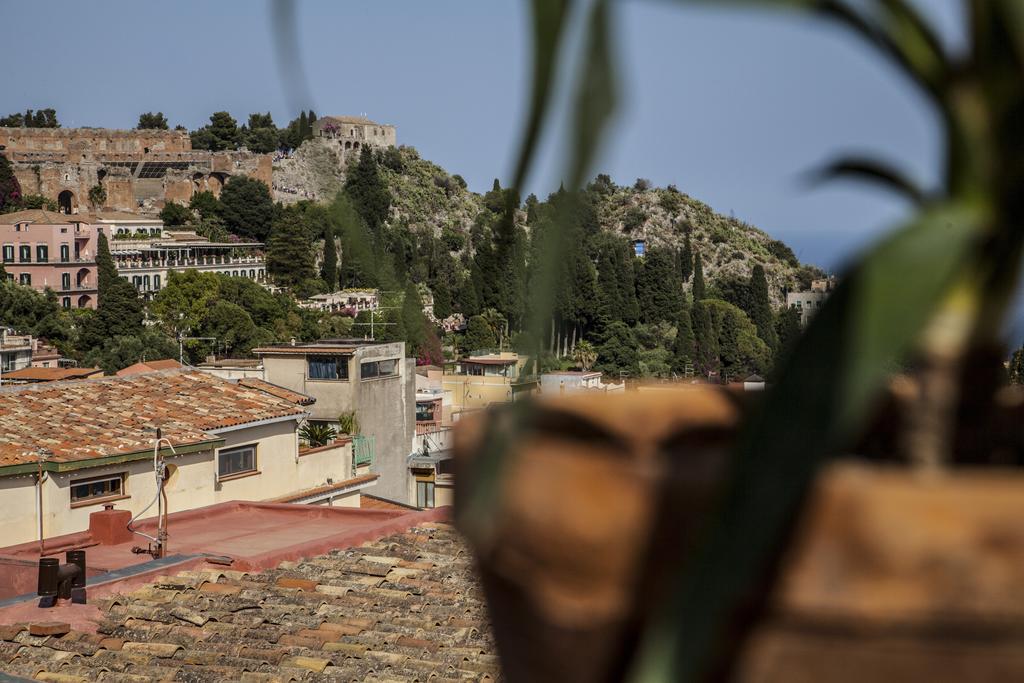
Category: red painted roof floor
[255,536]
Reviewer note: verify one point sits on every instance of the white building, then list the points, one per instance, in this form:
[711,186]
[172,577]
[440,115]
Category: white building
[574,381]
[808,303]
[145,262]
[348,301]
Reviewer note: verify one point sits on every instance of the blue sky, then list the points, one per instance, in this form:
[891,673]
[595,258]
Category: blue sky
[731,106]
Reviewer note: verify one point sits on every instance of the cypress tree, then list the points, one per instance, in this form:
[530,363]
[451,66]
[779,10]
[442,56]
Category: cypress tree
[627,283]
[368,192]
[683,347]
[303,127]
[10,189]
[686,260]
[705,338]
[119,310]
[329,266]
[442,301]
[414,322]
[761,309]
[658,288]
[699,292]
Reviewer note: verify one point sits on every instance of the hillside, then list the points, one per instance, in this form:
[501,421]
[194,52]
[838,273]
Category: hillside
[426,196]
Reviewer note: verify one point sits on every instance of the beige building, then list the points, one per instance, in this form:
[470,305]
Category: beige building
[371,379]
[808,303]
[476,382]
[69,448]
[352,133]
[575,381]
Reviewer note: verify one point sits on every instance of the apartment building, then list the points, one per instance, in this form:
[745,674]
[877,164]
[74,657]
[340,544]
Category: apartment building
[42,249]
[145,260]
[15,351]
[69,448]
[371,380]
[478,381]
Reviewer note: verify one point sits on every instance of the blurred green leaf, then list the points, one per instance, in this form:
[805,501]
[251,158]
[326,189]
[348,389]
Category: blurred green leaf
[836,370]
[549,18]
[596,94]
[872,171]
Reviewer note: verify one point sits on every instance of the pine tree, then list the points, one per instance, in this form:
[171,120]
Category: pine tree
[761,309]
[686,260]
[699,292]
[329,266]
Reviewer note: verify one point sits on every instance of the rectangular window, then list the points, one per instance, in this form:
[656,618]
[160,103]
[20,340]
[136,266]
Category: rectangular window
[65,281]
[424,494]
[66,302]
[234,461]
[25,253]
[327,367]
[8,253]
[42,253]
[25,279]
[97,489]
[378,368]
[65,253]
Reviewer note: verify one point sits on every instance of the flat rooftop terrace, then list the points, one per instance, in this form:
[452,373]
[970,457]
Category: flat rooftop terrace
[238,536]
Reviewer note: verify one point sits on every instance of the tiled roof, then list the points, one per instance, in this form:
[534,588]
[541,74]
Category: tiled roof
[278,391]
[50,374]
[41,216]
[405,608]
[93,418]
[346,485]
[149,366]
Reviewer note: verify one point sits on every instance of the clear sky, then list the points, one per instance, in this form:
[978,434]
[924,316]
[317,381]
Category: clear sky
[731,106]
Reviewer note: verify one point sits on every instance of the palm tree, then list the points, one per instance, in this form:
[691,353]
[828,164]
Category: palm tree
[584,355]
[317,434]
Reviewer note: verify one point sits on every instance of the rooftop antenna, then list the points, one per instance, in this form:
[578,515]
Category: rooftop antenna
[157,546]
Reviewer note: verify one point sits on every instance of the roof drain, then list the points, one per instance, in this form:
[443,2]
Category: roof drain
[157,546]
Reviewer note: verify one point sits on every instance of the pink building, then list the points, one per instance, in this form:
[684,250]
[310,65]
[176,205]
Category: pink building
[44,249]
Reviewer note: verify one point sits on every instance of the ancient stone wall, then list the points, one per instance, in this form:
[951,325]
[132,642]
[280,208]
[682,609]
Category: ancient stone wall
[140,170]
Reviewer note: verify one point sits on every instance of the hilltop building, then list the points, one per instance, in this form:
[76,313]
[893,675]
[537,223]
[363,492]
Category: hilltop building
[810,301]
[352,133]
[138,169]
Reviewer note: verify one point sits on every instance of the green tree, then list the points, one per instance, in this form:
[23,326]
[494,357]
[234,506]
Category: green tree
[316,434]
[97,196]
[686,259]
[368,191]
[222,133]
[248,209]
[232,327]
[181,306]
[152,120]
[329,265]
[289,252]
[10,188]
[261,135]
[659,288]
[119,312]
[175,215]
[584,355]
[684,345]
[205,204]
[787,329]
[761,313]
[699,291]
[617,353]
[479,336]
[705,339]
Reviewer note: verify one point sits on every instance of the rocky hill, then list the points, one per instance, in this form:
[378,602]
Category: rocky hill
[426,197]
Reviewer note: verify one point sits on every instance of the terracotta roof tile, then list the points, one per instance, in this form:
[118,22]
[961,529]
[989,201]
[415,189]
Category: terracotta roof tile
[149,366]
[50,374]
[378,631]
[86,419]
[279,391]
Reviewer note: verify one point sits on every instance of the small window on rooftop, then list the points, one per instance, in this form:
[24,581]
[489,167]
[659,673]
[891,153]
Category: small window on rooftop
[378,368]
[327,367]
[97,489]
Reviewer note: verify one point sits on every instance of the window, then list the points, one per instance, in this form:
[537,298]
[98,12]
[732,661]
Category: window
[327,367]
[156,281]
[66,302]
[65,281]
[25,253]
[42,253]
[97,489]
[25,279]
[8,253]
[65,255]
[379,368]
[424,494]
[234,461]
